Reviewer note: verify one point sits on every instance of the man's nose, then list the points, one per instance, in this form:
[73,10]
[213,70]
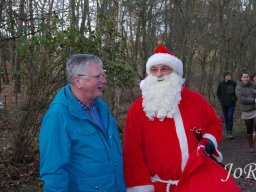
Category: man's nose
[103,80]
[159,73]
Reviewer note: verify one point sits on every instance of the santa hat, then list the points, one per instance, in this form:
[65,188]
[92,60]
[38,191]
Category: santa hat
[163,56]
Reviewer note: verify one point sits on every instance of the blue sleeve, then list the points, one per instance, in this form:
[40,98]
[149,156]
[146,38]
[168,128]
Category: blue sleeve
[54,144]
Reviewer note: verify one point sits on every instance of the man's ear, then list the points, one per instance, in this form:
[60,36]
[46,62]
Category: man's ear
[77,82]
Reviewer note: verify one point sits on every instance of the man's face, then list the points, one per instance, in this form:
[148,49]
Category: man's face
[227,78]
[93,83]
[161,93]
[160,70]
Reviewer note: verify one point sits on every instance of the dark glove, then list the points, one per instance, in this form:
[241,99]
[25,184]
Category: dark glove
[208,146]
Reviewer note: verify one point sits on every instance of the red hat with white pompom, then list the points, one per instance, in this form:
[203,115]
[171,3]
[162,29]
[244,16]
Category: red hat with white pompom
[163,56]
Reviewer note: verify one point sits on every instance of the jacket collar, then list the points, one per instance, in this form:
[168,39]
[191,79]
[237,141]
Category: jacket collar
[66,97]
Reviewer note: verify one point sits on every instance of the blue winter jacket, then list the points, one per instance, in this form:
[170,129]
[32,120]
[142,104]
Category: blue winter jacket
[75,154]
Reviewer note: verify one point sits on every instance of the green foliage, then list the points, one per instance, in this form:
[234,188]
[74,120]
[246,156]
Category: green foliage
[75,41]
[43,57]
[121,76]
[118,71]
[4,114]
[53,44]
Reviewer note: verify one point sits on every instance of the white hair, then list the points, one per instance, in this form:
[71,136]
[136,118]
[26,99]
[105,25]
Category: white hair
[80,62]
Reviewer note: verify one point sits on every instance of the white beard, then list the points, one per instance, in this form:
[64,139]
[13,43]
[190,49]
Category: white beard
[161,96]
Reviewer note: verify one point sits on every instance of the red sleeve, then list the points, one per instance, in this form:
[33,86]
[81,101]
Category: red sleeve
[197,111]
[213,122]
[135,168]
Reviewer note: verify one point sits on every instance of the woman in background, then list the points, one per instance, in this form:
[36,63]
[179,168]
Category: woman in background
[253,77]
[246,94]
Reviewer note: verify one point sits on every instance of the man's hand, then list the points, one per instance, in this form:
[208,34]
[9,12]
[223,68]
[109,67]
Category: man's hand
[208,146]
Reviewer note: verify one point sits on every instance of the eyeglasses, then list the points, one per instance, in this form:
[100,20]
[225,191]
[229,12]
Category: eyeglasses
[164,69]
[98,77]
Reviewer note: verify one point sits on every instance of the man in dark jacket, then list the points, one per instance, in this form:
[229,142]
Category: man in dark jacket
[227,97]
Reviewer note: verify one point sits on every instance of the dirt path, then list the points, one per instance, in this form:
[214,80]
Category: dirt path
[235,153]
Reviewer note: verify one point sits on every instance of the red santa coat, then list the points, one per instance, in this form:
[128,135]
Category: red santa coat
[162,148]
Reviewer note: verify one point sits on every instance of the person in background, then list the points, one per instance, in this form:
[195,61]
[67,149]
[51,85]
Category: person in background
[80,148]
[246,95]
[158,134]
[227,98]
[253,77]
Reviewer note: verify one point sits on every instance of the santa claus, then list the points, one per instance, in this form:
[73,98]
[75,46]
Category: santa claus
[160,143]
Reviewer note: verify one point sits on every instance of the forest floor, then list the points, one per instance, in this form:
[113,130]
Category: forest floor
[15,177]
[236,156]
[24,177]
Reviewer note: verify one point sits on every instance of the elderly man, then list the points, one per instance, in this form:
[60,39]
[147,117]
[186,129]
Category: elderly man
[163,128]
[79,144]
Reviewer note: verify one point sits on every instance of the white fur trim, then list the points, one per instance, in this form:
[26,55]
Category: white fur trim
[142,188]
[166,59]
[212,138]
[219,158]
[142,83]
[181,137]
